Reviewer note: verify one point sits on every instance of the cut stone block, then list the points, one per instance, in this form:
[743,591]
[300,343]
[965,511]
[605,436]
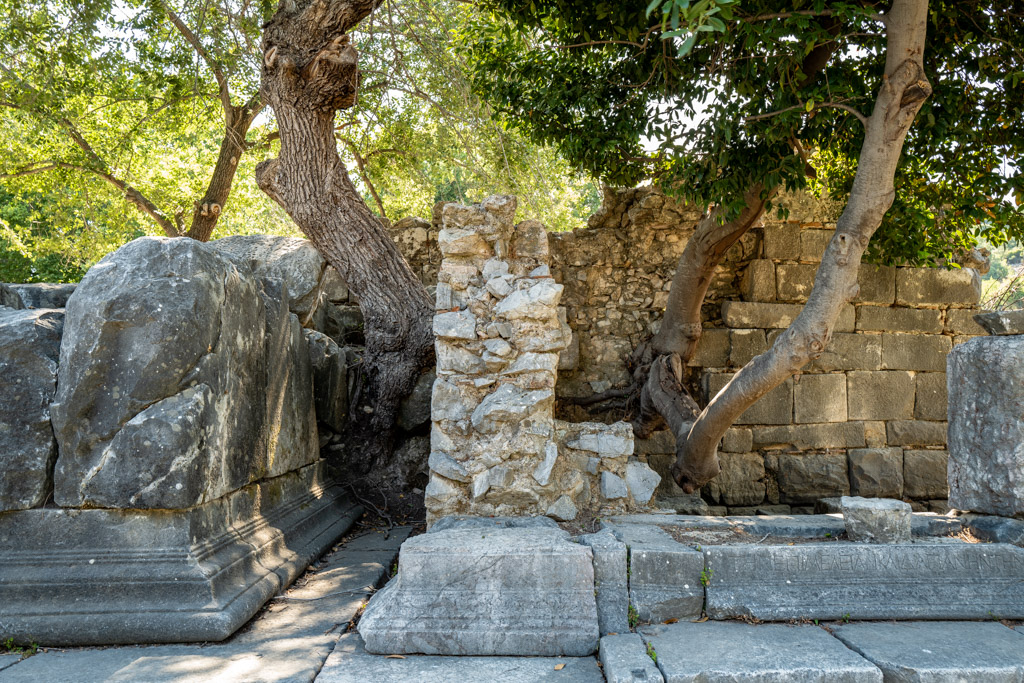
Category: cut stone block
[939,651]
[885,319]
[774,408]
[876,472]
[876,520]
[998,529]
[664,576]
[720,652]
[915,433]
[937,286]
[986,429]
[819,398]
[712,349]
[736,440]
[102,577]
[811,436]
[813,244]
[915,352]
[877,284]
[962,321]
[351,663]
[758,283]
[848,351]
[624,659]
[610,581]
[896,581]
[782,241]
[930,402]
[998,322]
[924,474]
[641,481]
[795,281]
[741,481]
[745,345]
[748,315]
[884,395]
[496,592]
[804,478]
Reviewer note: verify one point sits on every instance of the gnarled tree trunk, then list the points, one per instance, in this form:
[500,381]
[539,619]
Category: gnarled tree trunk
[309,73]
[904,89]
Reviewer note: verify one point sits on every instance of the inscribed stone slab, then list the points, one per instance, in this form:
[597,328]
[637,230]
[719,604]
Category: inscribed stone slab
[833,581]
[624,659]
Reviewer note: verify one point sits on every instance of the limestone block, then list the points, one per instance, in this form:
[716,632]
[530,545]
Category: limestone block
[527,592]
[29,351]
[563,509]
[450,401]
[664,575]
[439,492]
[813,244]
[930,402]
[884,395]
[533,362]
[457,359]
[937,286]
[746,314]
[531,241]
[758,283]
[745,345]
[961,321]
[624,659]
[811,436]
[9,298]
[641,481]
[536,302]
[42,294]
[795,281]
[874,434]
[741,481]
[612,440]
[774,408]
[610,581]
[612,486]
[885,319]
[1000,323]
[736,440]
[877,285]
[876,472]
[924,475]
[330,379]
[876,520]
[915,352]
[986,432]
[455,325]
[804,478]
[448,467]
[712,349]
[915,433]
[204,353]
[782,241]
[819,398]
[846,351]
[462,242]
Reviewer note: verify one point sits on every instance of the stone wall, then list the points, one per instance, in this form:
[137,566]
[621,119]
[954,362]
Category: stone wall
[867,418]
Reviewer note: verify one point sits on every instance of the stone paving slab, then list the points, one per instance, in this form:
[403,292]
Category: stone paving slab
[997,529]
[8,660]
[788,526]
[720,652]
[939,652]
[351,663]
[288,642]
[624,659]
[861,581]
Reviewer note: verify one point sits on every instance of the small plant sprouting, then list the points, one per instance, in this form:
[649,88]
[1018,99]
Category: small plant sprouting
[8,647]
[846,618]
[705,576]
[634,617]
[651,653]
[828,534]
[394,568]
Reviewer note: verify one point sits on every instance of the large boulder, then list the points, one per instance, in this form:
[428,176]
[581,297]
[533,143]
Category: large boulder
[29,350]
[176,380]
[9,298]
[44,294]
[985,382]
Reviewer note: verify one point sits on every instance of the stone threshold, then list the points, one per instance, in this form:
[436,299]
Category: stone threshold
[102,576]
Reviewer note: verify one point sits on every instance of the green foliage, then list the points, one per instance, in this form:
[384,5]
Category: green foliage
[710,98]
[651,653]
[633,616]
[8,647]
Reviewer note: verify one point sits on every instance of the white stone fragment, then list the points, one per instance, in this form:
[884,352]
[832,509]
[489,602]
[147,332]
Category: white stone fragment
[462,242]
[541,271]
[605,443]
[507,403]
[563,509]
[447,467]
[537,302]
[533,362]
[498,346]
[876,520]
[494,268]
[500,287]
[455,325]
[439,489]
[543,471]
[642,481]
[612,486]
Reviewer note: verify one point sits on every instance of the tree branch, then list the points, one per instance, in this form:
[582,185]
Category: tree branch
[818,105]
[218,73]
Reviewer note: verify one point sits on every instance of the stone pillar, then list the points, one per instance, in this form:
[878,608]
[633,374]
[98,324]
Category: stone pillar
[495,446]
[986,423]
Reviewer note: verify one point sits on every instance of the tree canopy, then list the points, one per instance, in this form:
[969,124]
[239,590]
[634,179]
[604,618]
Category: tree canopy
[708,98]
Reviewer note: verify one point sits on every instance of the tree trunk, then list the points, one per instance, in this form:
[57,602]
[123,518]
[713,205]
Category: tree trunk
[309,73]
[903,91]
[208,209]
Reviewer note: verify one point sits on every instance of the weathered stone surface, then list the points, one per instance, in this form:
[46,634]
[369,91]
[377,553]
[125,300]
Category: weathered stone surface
[819,398]
[641,481]
[758,282]
[999,322]
[895,581]
[745,345]
[847,351]
[876,520]
[351,663]
[499,592]
[930,396]
[612,486]
[537,302]
[795,281]
[916,286]
[724,652]
[455,325]
[141,576]
[813,244]
[986,431]
[876,472]
[10,298]
[29,351]
[939,651]
[747,315]
[877,284]
[330,379]
[924,474]
[915,433]
[997,529]
[415,408]
[885,319]
[181,423]
[736,440]
[43,294]
[811,436]
[774,408]
[712,349]
[563,509]
[915,352]
[624,659]
[611,585]
[782,241]
[961,321]
[885,395]
[664,575]
[741,481]
[508,403]
[803,478]
[292,260]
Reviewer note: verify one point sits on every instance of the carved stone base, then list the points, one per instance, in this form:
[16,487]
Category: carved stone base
[92,577]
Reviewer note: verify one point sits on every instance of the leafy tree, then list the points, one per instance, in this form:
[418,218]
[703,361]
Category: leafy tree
[744,99]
